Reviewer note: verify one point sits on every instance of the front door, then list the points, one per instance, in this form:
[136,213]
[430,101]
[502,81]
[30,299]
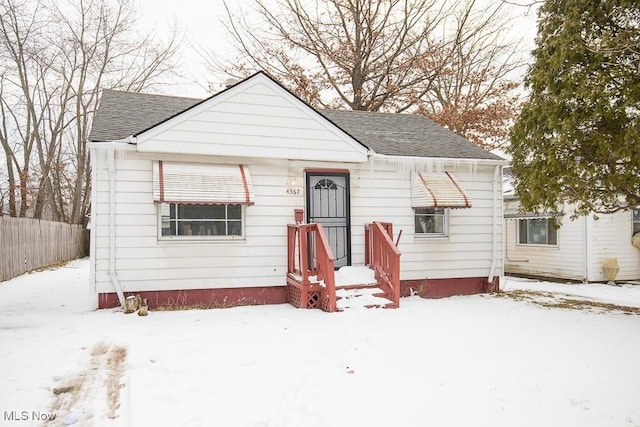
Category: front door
[328,204]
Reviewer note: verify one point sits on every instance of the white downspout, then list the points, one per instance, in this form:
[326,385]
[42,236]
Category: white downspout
[495,210]
[111,161]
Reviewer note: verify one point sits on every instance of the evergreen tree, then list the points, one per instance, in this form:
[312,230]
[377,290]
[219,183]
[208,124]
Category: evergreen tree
[577,139]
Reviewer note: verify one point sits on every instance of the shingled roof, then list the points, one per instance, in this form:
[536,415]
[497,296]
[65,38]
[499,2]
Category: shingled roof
[405,135]
[122,114]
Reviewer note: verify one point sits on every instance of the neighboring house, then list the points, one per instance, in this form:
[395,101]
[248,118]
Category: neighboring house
[192,199]
[555,246]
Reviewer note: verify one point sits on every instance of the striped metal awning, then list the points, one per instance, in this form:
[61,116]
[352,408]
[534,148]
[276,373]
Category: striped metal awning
[437,191]
[201,183]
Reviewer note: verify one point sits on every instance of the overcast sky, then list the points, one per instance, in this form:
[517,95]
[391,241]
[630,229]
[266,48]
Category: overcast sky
[200,21]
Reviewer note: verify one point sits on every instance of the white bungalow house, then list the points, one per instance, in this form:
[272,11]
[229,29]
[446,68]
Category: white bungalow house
[253,197]
[553,245]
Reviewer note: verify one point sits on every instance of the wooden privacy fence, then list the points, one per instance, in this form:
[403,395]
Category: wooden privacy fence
[27,244]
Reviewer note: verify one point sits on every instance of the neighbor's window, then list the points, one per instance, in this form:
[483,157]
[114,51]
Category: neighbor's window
[538,231]
[201,220]
[431,221]
[636,220]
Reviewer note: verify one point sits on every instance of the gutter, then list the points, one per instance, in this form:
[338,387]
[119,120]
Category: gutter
[128,140]
[497,162]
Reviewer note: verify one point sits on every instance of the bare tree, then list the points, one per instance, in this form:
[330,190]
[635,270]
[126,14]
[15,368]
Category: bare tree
[103,52]
[377,55]
[473,88]
[17,23]
[55,58]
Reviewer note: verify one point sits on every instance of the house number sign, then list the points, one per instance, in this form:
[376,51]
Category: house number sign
[294,191]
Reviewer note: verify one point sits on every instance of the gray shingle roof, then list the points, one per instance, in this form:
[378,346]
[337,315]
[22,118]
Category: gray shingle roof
[121,114]
[405,135]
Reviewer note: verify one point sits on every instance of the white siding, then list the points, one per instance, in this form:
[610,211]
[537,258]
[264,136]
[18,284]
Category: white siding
[381,195]
[256,118]
[564,261]
[377,194]
[611,238]
[582,245]
[145,263]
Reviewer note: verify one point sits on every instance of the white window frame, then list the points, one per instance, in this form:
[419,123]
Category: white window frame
[445,222]
[528,243]
[207,238]
[635,221]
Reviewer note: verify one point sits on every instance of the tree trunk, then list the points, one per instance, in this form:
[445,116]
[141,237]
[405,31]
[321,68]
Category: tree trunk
[24,195]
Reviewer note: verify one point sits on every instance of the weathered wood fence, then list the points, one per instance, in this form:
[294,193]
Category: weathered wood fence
[27,244]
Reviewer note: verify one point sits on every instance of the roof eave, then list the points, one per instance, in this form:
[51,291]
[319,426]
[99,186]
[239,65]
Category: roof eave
[128,141]
[489,162]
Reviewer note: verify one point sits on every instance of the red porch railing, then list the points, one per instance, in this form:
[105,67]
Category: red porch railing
[309,254]
[383,256]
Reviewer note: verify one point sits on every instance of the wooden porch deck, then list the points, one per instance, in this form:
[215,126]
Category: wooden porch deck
[312,281]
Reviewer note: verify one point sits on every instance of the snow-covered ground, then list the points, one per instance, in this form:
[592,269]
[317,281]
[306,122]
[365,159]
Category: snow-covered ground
[463,361]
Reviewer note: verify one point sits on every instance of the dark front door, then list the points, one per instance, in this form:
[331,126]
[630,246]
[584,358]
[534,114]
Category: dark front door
[328,204]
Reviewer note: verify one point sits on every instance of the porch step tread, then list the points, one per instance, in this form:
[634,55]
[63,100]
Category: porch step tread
[373,285]
[361,297]
[354,275]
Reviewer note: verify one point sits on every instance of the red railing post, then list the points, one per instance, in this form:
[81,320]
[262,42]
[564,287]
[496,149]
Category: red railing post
[303,250]
[291,248]
[325,267]
[367,245]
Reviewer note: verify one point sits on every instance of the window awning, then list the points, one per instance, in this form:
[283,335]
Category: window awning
[437,191]
[201,183]
[530,215]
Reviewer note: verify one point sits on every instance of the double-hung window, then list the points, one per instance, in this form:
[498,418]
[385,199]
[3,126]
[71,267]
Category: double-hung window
[538,231]
[201,201]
